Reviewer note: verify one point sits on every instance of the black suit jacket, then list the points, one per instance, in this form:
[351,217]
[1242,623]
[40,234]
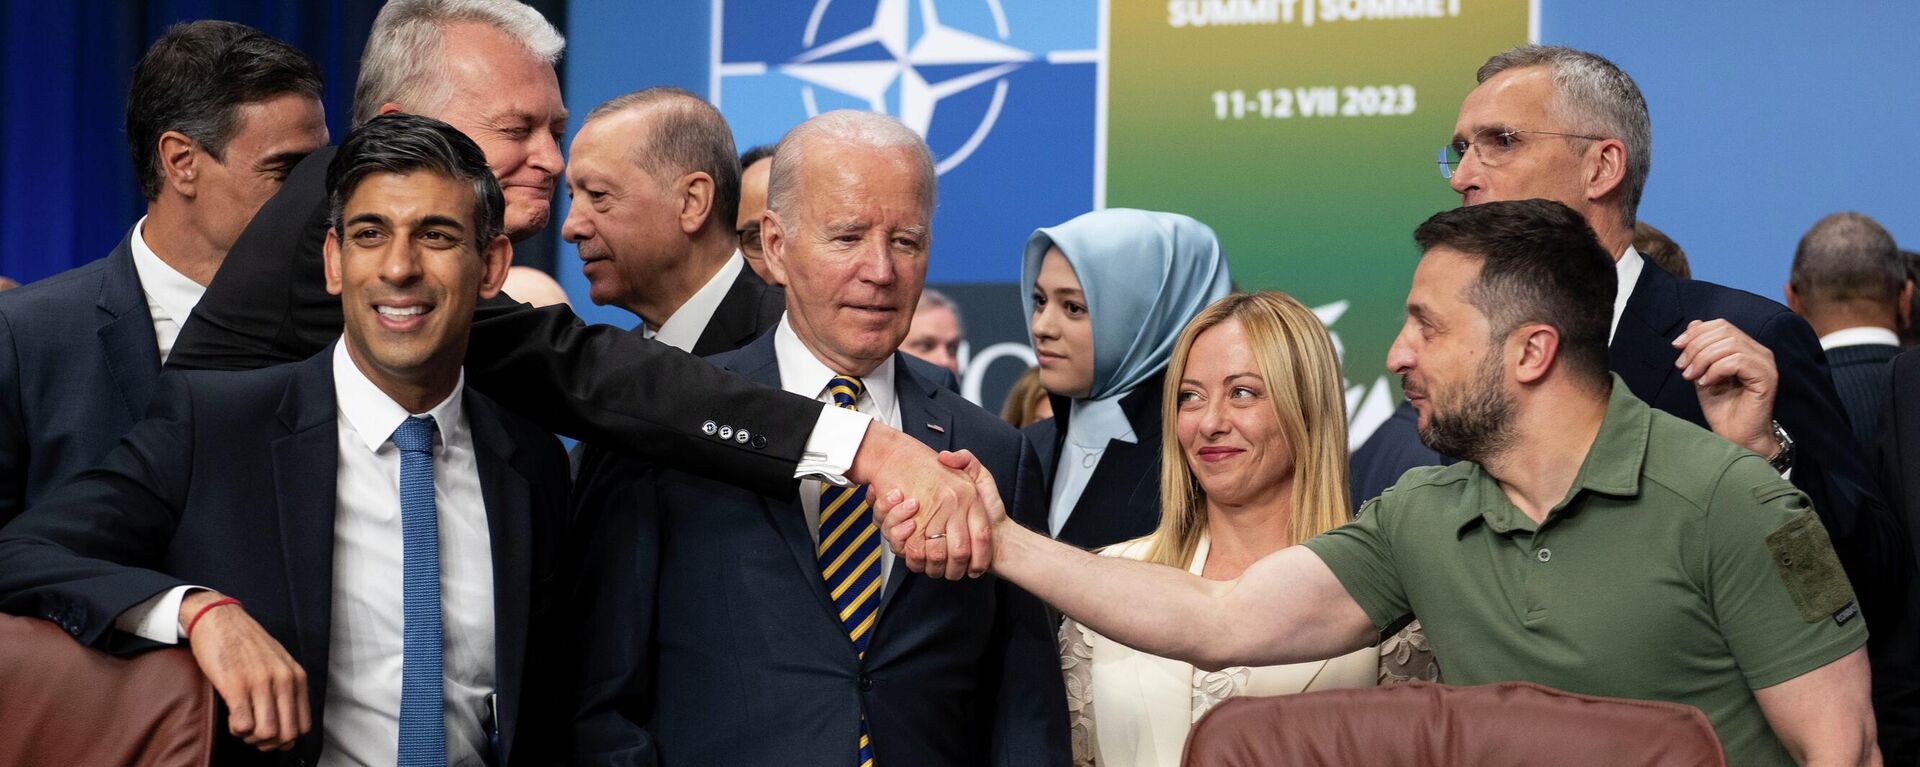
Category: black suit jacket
[1860,376]
[1896,662]
[1830,467]
[750,309]
[597,383]
[230,484]
[1122,498]
[708,636]
[78,362]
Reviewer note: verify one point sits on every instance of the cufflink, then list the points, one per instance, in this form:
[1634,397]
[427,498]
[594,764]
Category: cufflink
[726,432]
[709,428]
[740,436]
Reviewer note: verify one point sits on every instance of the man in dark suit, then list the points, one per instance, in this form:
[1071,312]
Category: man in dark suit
[494,80]
[1737,364]
[724,626]
[1849,283]
[372,626]
[655,183]
[217,114]
[1897,462]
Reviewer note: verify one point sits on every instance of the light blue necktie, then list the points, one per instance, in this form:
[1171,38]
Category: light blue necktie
[423,736]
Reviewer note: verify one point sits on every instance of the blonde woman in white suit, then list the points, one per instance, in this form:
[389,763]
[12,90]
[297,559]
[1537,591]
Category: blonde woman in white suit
[1253,460]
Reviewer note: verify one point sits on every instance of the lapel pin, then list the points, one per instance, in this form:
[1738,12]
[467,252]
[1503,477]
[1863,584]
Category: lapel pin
[937,427]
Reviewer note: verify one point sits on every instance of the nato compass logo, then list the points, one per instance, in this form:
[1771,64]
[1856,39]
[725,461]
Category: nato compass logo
[1004,92]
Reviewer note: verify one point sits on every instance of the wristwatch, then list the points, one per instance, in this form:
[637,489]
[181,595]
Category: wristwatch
[1783,460]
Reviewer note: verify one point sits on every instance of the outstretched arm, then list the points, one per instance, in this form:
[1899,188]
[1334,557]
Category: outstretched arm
[1286,608]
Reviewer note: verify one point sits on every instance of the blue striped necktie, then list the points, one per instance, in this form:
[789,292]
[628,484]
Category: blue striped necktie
[423,736]
[849,554]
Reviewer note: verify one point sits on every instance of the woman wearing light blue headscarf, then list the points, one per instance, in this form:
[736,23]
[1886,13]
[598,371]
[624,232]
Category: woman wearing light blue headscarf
[1107,294]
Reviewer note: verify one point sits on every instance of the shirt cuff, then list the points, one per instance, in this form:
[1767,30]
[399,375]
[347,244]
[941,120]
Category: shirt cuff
[157,619]
[829,451]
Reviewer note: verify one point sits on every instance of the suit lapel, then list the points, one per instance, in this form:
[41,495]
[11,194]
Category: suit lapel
[305,472]
[1642,351]
[934,428]
[740,316]
[504,490]
[126,330]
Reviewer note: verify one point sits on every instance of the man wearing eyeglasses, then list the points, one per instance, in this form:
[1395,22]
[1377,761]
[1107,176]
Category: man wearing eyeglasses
[1566,125]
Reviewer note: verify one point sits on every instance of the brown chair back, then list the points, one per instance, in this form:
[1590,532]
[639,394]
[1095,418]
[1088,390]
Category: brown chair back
[65,704]
[1511,723]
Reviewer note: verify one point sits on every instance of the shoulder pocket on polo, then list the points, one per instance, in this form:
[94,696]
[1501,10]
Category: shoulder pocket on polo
[1807,565]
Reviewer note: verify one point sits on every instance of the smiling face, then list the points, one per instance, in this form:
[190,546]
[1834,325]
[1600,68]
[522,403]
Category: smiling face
[408,270]
[508,103]
[1450,368]
[1062,332]
[852,252]
[1228,430]
[624,220]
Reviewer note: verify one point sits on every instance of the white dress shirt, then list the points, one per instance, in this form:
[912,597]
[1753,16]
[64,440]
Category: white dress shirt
[362,708]
[1627,269]
[1091,425]
[804,374]
[1865,335]
[683,329]
[170,295]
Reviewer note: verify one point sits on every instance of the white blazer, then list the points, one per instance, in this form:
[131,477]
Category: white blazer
[1142,706]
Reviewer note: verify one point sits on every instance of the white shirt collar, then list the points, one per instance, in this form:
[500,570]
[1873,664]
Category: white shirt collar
[1627,268]
[682,330]
[1864,335]
[374,415]
[804,374]
[175,294]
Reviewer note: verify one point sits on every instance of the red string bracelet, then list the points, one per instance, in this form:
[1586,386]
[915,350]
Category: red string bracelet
[203,611]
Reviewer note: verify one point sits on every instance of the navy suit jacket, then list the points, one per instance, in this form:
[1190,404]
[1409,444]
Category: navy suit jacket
[230,484]
[78,362]
[1830,466]
[708,636]
[1860,375]
[1122,499]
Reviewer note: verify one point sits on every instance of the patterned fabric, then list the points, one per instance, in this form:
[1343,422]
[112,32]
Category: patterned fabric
[1405,657]
[849,555]
[423,737]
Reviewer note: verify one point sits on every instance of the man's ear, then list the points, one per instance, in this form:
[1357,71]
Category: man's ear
[1608,171]
[330,257]
[1903,318]
[1793,301]
[179,163]
[696,200]
[773,242]
[496,260]
[1539,349]
[388,108]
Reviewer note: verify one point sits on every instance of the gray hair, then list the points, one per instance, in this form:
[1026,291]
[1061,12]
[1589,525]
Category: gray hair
[1595,97]
[843,127]
[405,59]
[934,299]
[1848,257]
[686,135]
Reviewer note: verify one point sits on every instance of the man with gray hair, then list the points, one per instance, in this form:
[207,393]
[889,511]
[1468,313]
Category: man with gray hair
[1567,125]
[491,76]
[654,182]
[1848,282]
[851,659]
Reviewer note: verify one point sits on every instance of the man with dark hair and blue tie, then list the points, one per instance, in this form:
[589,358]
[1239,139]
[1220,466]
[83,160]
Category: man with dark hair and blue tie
[356,548]
[720,625]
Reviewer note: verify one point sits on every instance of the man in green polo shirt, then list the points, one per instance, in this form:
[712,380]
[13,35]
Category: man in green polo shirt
[1587,543]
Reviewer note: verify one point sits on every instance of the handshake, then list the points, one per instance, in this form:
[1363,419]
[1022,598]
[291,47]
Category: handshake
[940,513]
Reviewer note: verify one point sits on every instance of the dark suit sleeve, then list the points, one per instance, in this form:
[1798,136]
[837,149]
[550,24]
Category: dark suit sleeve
[1029,703]
[617,535]
[79,558]
[1831,469]
[601,384]
[268,304]
[14,450]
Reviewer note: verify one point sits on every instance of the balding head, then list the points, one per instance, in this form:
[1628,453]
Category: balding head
[679,133]
[844,128]
[1847,272]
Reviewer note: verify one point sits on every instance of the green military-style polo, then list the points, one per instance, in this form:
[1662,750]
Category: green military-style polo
[1679,567]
